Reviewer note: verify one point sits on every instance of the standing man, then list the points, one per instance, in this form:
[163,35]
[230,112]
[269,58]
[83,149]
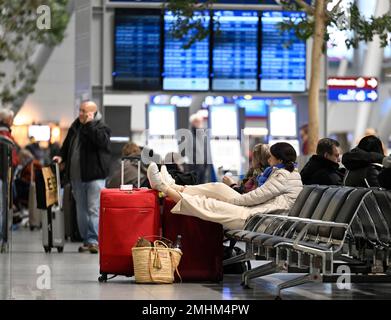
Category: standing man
[323,167]
[86,153]
[200,146]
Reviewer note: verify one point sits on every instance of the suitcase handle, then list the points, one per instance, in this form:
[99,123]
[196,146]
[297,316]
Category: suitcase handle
[58,181]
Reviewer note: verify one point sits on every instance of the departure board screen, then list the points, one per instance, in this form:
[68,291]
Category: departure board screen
[283,56]
[185,69]
[137,50]
[235,51]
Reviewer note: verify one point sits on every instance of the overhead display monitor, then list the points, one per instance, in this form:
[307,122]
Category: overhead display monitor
[282,120]
[161,120]
[235,51]
[283,56]
[137,49]
[223,121]
[39,132]
[185,69]
[258,107]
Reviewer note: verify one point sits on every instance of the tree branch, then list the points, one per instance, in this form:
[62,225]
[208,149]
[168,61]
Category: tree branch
[332,11]
[310,10]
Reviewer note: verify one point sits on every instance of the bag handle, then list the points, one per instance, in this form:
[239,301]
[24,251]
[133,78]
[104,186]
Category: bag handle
[156,256]
[159,242]
[160,237]
[176,269]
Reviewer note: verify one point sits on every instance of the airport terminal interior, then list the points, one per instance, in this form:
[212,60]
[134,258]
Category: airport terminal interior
[223,117]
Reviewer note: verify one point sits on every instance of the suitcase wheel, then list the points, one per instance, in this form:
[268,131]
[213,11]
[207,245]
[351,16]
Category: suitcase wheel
[60,249]
[47,249]
[103,278]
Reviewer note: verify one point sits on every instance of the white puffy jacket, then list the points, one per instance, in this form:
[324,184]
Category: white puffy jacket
[278,193]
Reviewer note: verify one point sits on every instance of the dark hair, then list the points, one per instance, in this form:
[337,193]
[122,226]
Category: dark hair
[286,153]
[371,144]
[326,145]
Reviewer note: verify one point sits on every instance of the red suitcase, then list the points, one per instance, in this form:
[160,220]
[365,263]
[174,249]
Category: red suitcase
[202,244]
[124,217]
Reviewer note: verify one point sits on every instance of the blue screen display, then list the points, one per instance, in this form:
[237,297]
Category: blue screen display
[283,56]
[258,107]
[185,69]
[235,51]
[137,49]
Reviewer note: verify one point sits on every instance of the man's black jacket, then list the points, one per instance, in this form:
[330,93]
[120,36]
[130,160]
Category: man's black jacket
[320,170]
[95,151]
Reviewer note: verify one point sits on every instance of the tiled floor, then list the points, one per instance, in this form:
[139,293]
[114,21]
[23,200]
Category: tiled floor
[74,276]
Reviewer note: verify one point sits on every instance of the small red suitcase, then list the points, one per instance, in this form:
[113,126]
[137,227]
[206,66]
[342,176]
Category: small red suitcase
[202,244]
[124,217]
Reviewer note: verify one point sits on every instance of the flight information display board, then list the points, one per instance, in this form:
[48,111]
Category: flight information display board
[235,51]
[185,69]
[283,56]
[137,50]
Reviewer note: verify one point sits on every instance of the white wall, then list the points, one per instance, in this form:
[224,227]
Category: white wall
[53,99]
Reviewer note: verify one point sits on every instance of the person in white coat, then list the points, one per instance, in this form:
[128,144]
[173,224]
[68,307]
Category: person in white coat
[278,189]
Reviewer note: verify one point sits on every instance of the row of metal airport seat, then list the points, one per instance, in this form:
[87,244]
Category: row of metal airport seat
[328,226]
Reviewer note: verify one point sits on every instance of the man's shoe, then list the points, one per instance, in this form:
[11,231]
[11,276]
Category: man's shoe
[84,248]
[93,248]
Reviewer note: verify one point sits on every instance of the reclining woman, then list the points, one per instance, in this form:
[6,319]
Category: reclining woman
[219,203]
[253,179]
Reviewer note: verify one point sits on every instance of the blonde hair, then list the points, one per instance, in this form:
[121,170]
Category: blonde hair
[261,154]
[131,149]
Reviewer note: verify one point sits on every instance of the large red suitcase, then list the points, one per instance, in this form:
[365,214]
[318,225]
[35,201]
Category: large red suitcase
[202,244]
[124,217]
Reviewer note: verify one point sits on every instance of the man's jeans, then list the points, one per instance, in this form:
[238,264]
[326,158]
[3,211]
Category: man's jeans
[1,211]
[87,197]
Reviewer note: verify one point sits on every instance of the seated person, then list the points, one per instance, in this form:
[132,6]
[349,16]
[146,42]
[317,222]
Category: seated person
[219,203]
[384,176]
[323,167]
[364,163]
[26,168]
[130,169]
[259,163]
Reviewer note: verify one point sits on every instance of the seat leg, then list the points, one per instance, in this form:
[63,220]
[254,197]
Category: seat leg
[239,258]
[377,266]
[259,272]
[310,277]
